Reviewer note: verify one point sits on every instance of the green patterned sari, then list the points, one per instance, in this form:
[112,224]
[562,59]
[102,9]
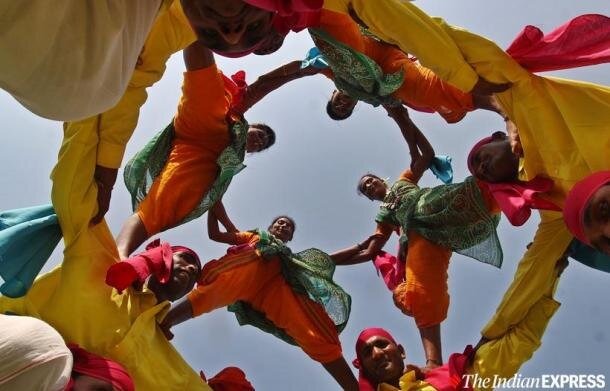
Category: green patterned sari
[452,216]
[146,165]
[309,272]
[356,74]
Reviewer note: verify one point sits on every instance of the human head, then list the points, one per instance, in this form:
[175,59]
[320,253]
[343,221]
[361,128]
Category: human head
[282,227]
[271,44]
[379,359]
[259,137]
[340,106]
[587,211]
[373,187]
[93,372]
[231,28]
[492,159]
[185,271]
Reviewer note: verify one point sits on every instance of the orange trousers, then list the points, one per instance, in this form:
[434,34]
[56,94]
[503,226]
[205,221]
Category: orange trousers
[246,276]
[188,174]
[424,295]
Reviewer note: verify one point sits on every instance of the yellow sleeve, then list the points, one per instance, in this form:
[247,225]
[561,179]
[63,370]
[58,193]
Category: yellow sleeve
[170,33]
[534,275]
[402,23]
[504,356]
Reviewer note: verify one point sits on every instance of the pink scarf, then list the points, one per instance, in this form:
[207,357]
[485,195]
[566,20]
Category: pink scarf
[577,200]
[90,364]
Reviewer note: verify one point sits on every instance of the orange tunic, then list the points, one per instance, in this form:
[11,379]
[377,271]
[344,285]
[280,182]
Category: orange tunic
[247,277]
[424,295]
[421,87]
[201,136]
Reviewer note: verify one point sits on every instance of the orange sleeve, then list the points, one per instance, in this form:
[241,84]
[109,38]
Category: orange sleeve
[204,103]
[407,175]
[244,237]
[342,28]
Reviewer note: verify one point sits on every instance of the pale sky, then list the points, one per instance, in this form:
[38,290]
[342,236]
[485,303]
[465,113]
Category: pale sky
[311,174]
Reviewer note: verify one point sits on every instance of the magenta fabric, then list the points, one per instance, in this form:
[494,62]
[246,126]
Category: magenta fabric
[584,40]
[391,269]
[449,377]
[90,364]
[287,7]
[516,199]
[364,383]
[577,200]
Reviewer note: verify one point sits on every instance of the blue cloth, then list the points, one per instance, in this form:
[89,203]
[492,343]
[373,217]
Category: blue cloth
[314,58]
[589,256]
[441,168]
[28,236]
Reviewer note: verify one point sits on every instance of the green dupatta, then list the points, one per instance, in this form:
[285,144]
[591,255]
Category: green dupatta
[309,272]
[356,74]
[146,165]
[453,216]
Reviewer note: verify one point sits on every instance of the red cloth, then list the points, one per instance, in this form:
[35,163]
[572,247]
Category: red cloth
[364,383]
[584,40]
[90,364]
[518,198]
[450,376]
[237,87]
[287,7]
[229,379]
[577,200]
[391,268]
[156,260]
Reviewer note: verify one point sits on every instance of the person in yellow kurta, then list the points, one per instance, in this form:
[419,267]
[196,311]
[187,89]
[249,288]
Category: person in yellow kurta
[380,358]
[74,300]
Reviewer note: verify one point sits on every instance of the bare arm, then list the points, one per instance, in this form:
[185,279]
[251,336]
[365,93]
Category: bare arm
[361,252]
[420,148]
[273,80]
[214,231]
[196,56]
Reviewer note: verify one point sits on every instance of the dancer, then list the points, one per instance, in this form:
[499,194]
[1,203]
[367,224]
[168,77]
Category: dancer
[380,358]
[434,222]
[291,296]
[204,147]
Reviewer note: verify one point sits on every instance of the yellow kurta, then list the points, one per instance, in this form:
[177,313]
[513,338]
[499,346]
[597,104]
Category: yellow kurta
[74,299]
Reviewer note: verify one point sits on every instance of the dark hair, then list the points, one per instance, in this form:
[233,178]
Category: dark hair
[358,187]
[294,225]
[268,132]
[333,115]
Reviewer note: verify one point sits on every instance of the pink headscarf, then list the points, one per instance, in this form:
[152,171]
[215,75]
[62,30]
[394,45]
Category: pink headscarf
[516,199]
[365,384]
[229,379]
[156,260]
[576,203]
[90,364]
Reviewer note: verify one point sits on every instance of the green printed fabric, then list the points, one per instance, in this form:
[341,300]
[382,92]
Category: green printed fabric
[308,272]
[453,216]
[357,74]
[146,165]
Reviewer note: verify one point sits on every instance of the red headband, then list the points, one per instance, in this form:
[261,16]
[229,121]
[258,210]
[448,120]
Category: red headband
[287,7]
[577,200]
[365,384]
[515,199]
[156,260]
[90,364]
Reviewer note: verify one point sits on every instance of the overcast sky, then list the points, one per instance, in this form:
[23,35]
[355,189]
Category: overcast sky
[311,174]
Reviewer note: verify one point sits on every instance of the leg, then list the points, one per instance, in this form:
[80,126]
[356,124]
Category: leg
[309,325]
[424,295]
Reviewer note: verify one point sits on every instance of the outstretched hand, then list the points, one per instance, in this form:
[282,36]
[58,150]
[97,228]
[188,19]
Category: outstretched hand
[104,178]
[486,88]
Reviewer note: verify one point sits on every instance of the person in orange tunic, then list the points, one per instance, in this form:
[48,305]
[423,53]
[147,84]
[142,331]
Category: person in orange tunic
[256,275]
[206,112]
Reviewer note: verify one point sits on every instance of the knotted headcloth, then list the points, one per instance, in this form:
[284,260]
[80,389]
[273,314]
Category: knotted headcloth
[577,200]
[365,384]
[156,260]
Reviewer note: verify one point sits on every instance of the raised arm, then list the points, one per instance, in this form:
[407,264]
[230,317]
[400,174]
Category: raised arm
[218,214]
[197,56]
[273,80]
[420,149]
